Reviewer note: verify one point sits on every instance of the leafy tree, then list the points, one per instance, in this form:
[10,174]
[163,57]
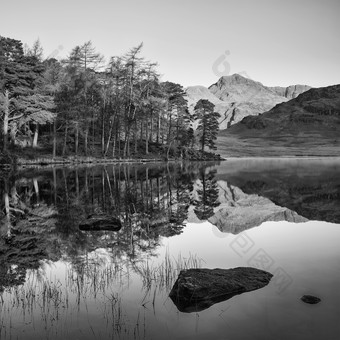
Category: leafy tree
[22,99]
[208,123]
[120,107]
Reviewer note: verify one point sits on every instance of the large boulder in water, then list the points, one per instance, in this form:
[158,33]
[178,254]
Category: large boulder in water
[100,223]
[198,289]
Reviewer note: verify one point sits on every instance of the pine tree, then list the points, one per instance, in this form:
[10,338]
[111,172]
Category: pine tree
[177,115]
[82,84]
[208,123]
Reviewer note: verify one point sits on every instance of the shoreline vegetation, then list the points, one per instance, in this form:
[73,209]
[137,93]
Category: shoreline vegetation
[13,160]
[83,109]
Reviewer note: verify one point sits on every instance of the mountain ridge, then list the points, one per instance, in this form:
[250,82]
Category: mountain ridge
[236,97]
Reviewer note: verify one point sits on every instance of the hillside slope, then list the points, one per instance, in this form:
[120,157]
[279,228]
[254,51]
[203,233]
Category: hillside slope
[308,125]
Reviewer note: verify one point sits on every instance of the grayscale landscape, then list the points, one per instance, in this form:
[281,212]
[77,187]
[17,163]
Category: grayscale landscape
[170,170]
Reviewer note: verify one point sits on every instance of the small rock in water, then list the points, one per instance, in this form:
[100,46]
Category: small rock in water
[310,299]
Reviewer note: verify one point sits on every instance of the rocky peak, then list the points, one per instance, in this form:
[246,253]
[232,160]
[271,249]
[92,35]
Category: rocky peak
[237,88]
[291,91]
[236,97]
[234,79]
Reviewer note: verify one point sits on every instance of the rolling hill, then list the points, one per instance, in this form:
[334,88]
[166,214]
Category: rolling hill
[308,125]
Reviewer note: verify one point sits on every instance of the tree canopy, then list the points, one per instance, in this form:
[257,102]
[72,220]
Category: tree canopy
[83,106]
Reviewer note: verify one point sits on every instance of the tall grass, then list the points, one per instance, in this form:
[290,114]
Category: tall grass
[51,306]
[164,275]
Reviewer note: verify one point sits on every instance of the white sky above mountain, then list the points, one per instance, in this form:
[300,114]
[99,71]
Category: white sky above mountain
[194,41]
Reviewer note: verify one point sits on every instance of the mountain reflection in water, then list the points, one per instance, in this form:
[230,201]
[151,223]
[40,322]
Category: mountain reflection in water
[42,209]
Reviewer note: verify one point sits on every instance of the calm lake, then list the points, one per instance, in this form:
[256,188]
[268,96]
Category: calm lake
[58,281]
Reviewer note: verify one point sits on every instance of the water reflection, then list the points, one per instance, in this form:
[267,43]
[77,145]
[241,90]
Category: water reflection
[309,187]
[42,210]
[207,195]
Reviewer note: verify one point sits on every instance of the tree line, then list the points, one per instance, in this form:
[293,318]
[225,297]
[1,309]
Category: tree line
[83,106]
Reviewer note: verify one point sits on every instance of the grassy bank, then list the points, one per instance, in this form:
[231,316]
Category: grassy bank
[252,146]
[38,156]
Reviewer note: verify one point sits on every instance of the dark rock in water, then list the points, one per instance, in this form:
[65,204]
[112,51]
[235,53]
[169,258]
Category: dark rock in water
[198,289]
[310,299]
[100,223]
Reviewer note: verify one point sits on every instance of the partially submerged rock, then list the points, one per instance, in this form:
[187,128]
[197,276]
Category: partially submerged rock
[310,299]
[100,223]
[198,289]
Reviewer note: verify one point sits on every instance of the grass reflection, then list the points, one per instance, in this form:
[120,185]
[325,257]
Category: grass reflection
[59,306]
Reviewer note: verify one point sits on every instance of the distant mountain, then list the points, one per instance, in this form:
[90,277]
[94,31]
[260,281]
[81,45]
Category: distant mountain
[315,110]
[236,97]
[306,125]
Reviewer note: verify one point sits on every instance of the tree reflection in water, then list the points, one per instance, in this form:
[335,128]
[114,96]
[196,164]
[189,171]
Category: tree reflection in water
[43,209]
[207,195]
[55,277]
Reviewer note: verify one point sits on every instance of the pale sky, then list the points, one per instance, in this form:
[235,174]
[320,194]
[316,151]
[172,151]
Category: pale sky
[275,42]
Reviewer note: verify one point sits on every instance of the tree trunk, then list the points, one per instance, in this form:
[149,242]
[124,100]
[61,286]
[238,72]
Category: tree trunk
[118,139]
[147,137]
[168,152]
[8,216]
[158,127]
[126,152]
[35,137]
[77,183]
[86,138]
[170,125]
[151,128]
[55,186]
[36,189]
[203,140]
[76,145]
[141,132]
[108,140]
[128,144]
[125,144]
[103,135]
[93,132]
[65,140]
[54,139]
[136,137]
[114,146]
[6,120]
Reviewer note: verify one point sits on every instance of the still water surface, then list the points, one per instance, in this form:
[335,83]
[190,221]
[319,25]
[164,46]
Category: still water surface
[59,282]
